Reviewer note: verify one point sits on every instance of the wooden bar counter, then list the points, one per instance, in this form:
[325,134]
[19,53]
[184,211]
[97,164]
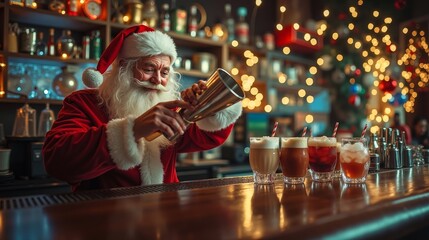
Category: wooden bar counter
[392,204]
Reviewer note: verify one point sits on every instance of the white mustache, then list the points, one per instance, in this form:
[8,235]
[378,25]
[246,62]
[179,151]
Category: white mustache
[147,84]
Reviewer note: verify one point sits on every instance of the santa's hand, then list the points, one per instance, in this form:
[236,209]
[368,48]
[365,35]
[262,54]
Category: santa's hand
[161,118]
[190,94]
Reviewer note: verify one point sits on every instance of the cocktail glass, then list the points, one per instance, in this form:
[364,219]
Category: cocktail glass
[354,160]
[322,152]
[264,158]
[294,159]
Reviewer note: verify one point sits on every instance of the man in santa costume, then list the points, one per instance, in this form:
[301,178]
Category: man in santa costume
[98,140]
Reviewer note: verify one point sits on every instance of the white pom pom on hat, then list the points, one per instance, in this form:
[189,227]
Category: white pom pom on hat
[133,42]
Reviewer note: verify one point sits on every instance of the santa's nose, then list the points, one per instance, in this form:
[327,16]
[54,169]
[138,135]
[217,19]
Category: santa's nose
[156,78]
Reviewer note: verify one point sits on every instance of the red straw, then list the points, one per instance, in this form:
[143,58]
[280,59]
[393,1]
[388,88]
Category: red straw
[304,132]
[364,131]
[273,133]
[335,129]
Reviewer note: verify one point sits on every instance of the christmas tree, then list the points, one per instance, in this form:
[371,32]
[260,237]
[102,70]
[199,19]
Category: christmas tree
[359,57]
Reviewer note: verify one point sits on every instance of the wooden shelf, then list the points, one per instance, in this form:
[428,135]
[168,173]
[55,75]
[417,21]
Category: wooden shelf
[49,60]
[193,73]
[31,101]
[48,18]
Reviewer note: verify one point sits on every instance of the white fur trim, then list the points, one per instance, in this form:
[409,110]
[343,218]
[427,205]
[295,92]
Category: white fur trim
[126,153]
[221,119]
[92,78]
[124,150]
[150,43]
[151,168]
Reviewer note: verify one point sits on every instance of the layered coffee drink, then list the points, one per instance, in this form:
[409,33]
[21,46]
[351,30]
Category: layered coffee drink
[294,159]
[264,158]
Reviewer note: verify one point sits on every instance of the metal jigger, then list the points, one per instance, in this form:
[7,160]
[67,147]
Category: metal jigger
[222,91]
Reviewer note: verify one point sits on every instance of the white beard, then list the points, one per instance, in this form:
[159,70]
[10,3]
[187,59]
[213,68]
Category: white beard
[128,98]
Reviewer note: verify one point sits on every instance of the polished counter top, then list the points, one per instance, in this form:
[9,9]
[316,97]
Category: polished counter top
[392,204]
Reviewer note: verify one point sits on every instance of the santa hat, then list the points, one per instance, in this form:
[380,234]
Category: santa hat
[133,42]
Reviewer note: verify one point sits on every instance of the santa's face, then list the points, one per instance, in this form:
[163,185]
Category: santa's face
[152,72]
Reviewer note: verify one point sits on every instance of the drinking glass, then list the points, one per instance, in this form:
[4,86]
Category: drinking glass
[354,160]
[264,158]
[46,119]
[322,153]
[25,122]
[294,159]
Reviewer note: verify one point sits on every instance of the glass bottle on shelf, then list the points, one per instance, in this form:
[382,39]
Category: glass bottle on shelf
[86,41]
[229,22]
[72,7]
[95,45]
[51,43]
[242,27]
[150,13]
[65,44]
[178,18]
[165,20]
[193,21]
[41,48]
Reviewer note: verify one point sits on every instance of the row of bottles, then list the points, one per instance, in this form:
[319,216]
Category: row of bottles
[178,20]
[34,43]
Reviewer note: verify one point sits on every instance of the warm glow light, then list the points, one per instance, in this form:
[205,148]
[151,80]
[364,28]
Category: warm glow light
[375,13]
[268,108]
[286,50]
[326,13]
[296,26]
[285,100]
[302,93]
[309,118]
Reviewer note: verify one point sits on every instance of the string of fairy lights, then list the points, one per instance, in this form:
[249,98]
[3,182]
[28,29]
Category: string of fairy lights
[380,60]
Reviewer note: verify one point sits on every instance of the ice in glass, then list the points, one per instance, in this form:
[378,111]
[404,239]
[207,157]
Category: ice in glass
[354,160]
[322,152]
[294,159]
[264,158]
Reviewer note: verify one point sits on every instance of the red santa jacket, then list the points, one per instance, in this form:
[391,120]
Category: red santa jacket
[90,151]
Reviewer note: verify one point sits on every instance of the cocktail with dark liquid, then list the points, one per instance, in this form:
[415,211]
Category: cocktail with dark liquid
[294,159]
[322,152]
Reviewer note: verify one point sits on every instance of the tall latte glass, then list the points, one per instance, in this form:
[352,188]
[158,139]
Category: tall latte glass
[264,158]
[322,152]
[294,159]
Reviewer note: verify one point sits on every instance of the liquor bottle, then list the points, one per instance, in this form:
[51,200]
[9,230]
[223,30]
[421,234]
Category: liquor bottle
[41,48]
[242,27]
[72,7]
[65,44]
[86,42]
[229,22]
[165,20]
[51,43]
[193,21]
[178,18]
[95,45]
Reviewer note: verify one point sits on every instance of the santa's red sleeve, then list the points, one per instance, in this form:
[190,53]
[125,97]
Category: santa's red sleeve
[210,132]
[76,147]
